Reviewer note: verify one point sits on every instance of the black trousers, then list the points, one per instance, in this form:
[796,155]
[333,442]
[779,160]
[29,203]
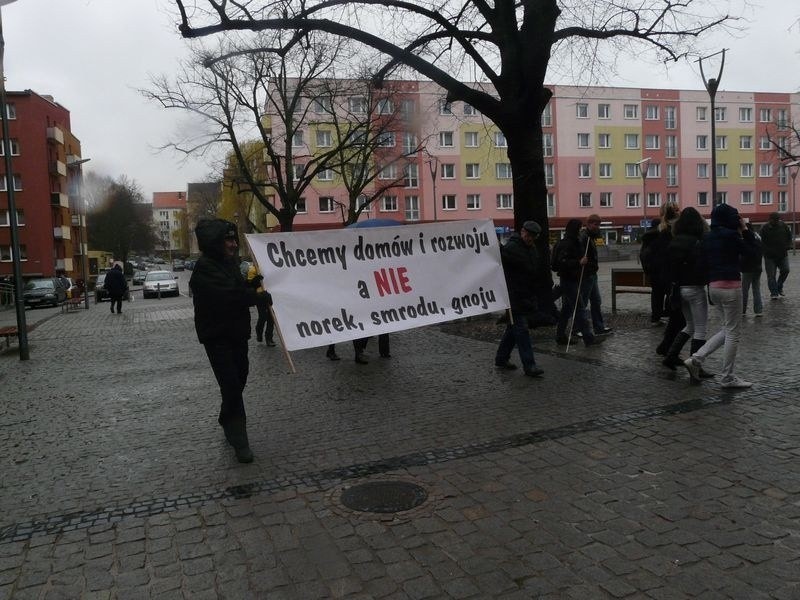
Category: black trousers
[231,366]
[360,344]
[116,302]
[264,318]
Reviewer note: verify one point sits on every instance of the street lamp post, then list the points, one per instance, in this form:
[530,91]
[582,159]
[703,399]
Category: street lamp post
[794,165]
[711,87]
[19,302]
[433,165]
[644,166]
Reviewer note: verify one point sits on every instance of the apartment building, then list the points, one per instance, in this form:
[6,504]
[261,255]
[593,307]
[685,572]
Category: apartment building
[597,143]
[46,173]
[170,219]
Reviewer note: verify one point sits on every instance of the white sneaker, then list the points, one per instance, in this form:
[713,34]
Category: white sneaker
[735,383]
[693,365]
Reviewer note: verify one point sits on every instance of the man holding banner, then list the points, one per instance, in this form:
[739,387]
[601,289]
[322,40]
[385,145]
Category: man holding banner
[521,266]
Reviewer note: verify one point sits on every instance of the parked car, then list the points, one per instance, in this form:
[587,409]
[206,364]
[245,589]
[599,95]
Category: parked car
[138,277]
[163,280]
[177,265]
[100,293]
[43,292]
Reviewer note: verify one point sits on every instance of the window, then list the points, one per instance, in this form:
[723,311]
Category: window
[781,119]
[721,142]
[449,202]
[606,200]
[469,110]
[446,139]
[632,200]
[783,204]
[11,111]
[603,111]
[604,170]
[5,218]
[445,108]
[746,170]
[702,171]
[722,197]
[357,105]
[472,171]
[583,140]
[765,115]
[14,147]
[502,170]
[297,139]
[582,110]
[746,197]
[385,106]
[652,142]
[549,174]
[653,170]
[672,197]
[411,176]
[720,114]
[326,204]
[702,198]
[653,199]
[745,114]
[500,140]
[4,183]
[745,142]
[765,197]
[412,208]
[324,139]
[604,140]
[701,113]
[702,142]
[448,171]
[585,199]
[631,170]
[631,141]
[783,175]
[388,204]
[505,201]
[671,146]
[722,170]
[471,139]
[764,143]
[672,174]
[385,139]
[765,170]
[409,143]
[300,206]
[551,205]
[547,144]
[6,255]
[389,172]
[325,175]
[651,112]
[473,201]
[547,116]
[584,170]
[322,104]
[407,108]
[630,111]
[669,118]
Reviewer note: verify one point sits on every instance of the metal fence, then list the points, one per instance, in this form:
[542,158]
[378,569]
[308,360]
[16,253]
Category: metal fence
[6,295]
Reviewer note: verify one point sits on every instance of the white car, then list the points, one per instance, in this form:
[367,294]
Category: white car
[163,282]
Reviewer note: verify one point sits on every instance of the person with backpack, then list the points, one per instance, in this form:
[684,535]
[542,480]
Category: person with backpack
[776,238]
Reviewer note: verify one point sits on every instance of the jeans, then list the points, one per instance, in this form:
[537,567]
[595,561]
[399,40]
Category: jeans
[569,293]
[694,305]
[752,280]
[728,302]
[516,334]
[770,266]
[594,301]
[231,366]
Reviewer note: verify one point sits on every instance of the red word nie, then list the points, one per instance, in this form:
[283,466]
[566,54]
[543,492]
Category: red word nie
[392,281]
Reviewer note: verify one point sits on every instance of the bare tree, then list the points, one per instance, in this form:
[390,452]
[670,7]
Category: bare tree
[120,222]
[507,44]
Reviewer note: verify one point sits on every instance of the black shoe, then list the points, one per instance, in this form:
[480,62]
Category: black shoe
[387,355]
[595,341]
[534,371]
[270,343]
[672,362]
[244,455]
[259,338]
[331,354]
[361,360]
[506,366]
[603,330]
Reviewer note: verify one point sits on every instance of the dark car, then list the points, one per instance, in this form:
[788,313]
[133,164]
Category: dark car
[46,291]
[100,292]
[138,277]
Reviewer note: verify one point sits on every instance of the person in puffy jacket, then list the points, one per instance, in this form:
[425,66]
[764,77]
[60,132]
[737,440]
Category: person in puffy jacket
[222,301]
[116,286]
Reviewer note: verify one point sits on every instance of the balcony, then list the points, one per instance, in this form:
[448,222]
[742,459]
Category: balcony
[55,134]
[65,264]
[58,168]
[62,233]
[58,199]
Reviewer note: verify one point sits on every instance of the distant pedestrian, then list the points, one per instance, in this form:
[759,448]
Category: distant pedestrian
[117,286]
[592,232]
[222,301]
[776,238]
[724,247]
[522,269]
[751,276]
[648,258]
[263,303]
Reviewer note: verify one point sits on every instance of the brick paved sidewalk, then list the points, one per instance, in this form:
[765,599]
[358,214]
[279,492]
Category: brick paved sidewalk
[610,477]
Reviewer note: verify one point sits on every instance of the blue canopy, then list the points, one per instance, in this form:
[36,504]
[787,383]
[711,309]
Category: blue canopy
[374,223]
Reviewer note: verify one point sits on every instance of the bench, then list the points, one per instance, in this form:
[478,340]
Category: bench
[628,281]
[12,331]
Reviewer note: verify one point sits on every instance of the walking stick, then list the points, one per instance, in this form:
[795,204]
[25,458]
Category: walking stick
[578,294]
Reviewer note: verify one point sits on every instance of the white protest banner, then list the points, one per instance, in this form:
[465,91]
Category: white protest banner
[338,285]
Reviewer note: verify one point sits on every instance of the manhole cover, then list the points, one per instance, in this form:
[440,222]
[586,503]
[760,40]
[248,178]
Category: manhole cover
[384,496]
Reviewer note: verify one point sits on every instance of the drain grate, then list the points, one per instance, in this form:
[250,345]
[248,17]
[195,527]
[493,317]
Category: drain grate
[383,496]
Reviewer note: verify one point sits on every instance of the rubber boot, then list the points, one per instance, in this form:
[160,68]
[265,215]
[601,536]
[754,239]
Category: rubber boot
[696,345]
[673,359]
[236,434]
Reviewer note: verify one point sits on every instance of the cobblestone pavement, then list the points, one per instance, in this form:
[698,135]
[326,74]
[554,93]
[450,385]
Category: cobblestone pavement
[610,477]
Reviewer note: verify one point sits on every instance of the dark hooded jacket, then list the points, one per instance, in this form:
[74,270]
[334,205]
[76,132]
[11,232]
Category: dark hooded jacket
[220,294]
[115,283]
[724,247]
[569,250]
[521,268]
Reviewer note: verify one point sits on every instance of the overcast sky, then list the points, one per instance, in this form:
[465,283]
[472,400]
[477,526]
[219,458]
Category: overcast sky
[93,55]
